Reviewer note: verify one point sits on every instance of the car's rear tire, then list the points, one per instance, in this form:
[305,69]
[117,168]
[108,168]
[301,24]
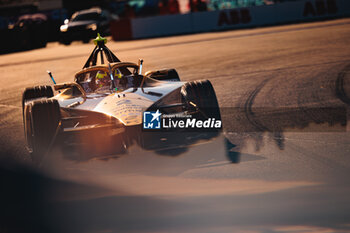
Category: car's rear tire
[44,122]
[164,75]
[36,92]
[202,94]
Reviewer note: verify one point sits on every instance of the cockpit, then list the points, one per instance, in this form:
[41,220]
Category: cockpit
[117,77]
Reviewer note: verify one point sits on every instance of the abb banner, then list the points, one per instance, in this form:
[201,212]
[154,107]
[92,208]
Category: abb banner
[280,13]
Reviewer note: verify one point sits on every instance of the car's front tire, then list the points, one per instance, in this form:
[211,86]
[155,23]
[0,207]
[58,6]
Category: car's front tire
[66,41]
[42,124]
[200,95]
[36,92]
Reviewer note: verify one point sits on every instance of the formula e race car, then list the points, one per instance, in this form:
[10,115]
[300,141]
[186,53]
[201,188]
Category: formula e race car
[103,110]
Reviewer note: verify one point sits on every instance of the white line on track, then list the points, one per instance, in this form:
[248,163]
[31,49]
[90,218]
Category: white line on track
[9,106]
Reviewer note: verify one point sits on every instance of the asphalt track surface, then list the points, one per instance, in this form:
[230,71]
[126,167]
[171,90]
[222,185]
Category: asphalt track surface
[284,94]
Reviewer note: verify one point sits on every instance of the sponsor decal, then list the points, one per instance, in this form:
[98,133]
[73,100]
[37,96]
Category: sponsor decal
[320,7]
[157,120]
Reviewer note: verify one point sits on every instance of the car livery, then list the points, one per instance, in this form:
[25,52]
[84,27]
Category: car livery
[101,112]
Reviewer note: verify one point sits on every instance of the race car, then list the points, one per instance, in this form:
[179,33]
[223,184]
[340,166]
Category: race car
[102,111]
[85,24]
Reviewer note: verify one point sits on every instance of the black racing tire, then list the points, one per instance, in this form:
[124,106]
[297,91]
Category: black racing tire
[202,94]
[44,119]
[36,92]
[86,41]
[66,42]
[164,75]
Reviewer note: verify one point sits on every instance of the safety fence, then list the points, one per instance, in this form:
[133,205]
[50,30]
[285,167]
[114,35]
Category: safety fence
[275,14]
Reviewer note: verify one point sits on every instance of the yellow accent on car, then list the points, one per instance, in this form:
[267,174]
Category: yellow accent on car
[117,74]
[100,75]
[99,38]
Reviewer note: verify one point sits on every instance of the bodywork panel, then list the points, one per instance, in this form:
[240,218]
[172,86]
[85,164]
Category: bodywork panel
[126,106]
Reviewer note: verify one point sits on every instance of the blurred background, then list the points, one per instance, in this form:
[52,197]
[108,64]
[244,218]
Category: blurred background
[30,24]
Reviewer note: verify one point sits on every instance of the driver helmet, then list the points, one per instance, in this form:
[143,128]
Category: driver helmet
[118,74]
[101,78]
[117,78]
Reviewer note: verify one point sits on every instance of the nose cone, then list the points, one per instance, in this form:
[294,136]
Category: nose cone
[128,108]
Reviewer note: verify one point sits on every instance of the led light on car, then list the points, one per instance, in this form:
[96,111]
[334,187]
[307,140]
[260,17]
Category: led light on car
[64,28]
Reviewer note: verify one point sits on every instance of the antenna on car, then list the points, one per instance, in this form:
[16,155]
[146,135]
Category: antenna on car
[140,66]
[140,73]
[50,74]
[111,76]
[101,49]
[53,80]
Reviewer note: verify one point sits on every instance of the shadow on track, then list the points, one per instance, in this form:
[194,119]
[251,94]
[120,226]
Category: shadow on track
[309,115]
